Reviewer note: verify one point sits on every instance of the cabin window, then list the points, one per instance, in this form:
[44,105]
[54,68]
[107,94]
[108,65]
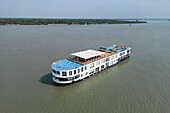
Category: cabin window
[54,71]
[70,72]
[97,63]
[86,73]
[91,71]
[111,57]
[63,79]
[78,70]
[91,65]
[74,71]
[64,73]
[107,59]
[123,52]
[85,67]
[103,61]
[116,56]
[71,78]
[82,69]
[58,72]
[77,76]
[107,64]
[128,51]
[102,67]
[97,69]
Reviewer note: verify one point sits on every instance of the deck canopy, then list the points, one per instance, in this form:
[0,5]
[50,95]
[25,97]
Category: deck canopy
[87,54]
[107,48]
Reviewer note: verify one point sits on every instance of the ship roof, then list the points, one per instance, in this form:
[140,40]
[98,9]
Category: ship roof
[108,48]
[119,50]
[65,65]
[88,54]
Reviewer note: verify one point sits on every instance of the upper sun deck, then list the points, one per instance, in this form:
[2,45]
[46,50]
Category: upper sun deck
[88,56]
[65,65]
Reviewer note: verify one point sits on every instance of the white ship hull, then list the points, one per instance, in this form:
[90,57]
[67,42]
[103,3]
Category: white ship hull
[82,72]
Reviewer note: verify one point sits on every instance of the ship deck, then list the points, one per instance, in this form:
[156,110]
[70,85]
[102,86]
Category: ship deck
[107,52]
[65,64]
[92,60]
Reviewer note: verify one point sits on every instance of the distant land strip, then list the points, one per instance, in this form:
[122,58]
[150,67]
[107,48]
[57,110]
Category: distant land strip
[39,21]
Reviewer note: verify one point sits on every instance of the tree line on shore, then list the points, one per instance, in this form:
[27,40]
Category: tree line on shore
[40,21]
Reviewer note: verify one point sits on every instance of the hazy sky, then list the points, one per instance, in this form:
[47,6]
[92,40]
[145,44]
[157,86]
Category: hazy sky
[85,8]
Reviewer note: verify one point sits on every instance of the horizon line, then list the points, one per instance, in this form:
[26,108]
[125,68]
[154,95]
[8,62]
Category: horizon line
[127,18]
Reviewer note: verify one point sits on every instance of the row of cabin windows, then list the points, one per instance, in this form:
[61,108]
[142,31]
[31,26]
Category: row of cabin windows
[58,72]
[112,57]
[70,72]
[122,53]
[103,61]
[78,71]
[68,79]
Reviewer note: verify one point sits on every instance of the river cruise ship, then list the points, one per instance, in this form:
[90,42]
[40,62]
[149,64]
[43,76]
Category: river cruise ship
[84,64]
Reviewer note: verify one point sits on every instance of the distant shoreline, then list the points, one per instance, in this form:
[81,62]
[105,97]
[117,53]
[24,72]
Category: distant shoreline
[63,24]
[27,21]
[60,24]
[10,24]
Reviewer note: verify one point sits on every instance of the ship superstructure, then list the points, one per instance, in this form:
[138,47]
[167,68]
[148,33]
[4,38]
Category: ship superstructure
[84,64]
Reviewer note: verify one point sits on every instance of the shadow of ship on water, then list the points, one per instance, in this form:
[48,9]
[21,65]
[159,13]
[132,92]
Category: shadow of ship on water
[47,79]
